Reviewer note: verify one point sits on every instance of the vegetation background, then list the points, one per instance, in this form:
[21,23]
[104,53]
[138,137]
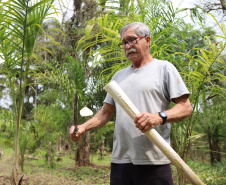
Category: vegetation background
[51,69]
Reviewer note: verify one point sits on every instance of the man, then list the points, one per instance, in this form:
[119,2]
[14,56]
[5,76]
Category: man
[151,84]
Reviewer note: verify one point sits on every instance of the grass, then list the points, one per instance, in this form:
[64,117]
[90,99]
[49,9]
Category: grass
[37,172]
[210,175]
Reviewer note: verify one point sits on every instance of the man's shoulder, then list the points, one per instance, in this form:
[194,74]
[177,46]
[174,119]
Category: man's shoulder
[123,70]
[163,62]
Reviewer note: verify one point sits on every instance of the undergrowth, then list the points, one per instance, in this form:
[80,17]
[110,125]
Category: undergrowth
[99,173]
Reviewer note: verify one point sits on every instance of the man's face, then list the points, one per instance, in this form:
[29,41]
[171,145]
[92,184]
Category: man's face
[136,52]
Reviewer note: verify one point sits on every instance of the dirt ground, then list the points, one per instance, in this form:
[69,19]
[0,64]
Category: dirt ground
[4,170]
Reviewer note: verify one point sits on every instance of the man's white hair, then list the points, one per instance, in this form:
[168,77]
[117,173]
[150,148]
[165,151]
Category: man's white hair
[140,29]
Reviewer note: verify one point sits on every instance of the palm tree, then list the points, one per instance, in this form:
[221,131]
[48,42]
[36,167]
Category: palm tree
[20,27]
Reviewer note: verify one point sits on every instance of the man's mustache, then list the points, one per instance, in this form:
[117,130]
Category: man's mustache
[131,50]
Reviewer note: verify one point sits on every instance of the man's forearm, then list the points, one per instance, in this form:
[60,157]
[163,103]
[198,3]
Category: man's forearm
[181,110]
[100,119]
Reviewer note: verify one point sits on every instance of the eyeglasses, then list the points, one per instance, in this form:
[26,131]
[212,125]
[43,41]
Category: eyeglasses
[131,41]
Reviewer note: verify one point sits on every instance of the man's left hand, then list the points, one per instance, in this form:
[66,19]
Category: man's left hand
[144,121]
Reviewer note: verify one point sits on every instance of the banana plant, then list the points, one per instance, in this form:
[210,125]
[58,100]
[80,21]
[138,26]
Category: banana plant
[21,22]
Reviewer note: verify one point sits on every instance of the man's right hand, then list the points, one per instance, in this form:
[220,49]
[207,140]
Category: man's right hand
[75,137]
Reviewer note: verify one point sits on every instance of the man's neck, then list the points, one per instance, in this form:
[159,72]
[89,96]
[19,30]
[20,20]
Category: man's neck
[145,61]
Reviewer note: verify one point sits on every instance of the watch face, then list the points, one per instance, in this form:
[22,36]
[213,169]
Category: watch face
[163,114]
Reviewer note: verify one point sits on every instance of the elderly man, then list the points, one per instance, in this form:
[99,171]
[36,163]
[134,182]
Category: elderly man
[151,84]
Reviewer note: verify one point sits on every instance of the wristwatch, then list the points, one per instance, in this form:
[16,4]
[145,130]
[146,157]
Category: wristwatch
[163,115]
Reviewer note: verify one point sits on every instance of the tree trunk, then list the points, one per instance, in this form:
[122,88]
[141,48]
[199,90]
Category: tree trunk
[216,151]
[87,148]
[216,146]
[83,151]
[49,155]
[15,172]
[60,144]
[79,158]
[102,149]
[210,146]
[22,162]
[223,4]
[1,153]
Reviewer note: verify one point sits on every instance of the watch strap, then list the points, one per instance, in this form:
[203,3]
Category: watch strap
[163,115]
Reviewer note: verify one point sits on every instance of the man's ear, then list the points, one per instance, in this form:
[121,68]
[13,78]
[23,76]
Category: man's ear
[148,39]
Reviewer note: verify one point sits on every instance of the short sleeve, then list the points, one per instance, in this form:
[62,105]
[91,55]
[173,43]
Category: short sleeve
[108,99]
[174,83]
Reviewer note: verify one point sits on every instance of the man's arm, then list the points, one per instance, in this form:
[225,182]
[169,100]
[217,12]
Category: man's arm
[97,121]
[182,109]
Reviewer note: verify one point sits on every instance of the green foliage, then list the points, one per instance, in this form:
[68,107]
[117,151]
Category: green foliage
[198,58]
[53,159]
[105,133]
[20,27]
[7,128]
[27,141]
[64,79]
[51,118]
[170,34]
[39,173]
[211,175]
[195,53]
[214,117]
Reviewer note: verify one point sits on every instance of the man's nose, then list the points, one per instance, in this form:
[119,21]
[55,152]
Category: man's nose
[127,46]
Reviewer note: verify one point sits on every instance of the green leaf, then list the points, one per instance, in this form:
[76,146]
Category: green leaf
[112,31]
[221,75]
[88,30]
[39,5]
[203,63]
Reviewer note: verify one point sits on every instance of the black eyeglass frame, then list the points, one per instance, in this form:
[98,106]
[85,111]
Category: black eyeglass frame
[128,42]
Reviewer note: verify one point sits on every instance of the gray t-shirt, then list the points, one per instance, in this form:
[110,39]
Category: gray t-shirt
[151,89]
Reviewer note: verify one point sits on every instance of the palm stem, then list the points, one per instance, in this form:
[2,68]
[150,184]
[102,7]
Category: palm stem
[20,106]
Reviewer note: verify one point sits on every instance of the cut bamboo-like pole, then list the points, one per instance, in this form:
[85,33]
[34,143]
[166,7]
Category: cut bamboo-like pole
[121,98]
